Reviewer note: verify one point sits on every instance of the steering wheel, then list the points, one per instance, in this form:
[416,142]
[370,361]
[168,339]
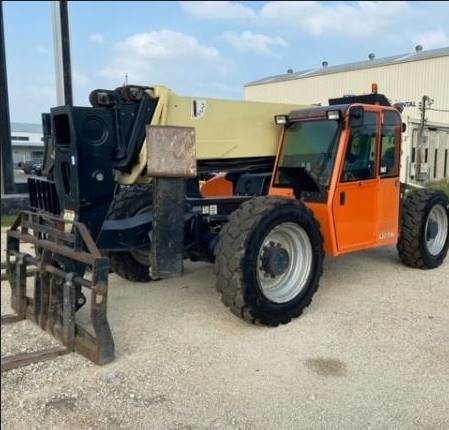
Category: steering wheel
[349,176]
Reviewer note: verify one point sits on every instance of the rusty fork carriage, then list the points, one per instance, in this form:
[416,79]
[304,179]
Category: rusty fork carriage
[66,261]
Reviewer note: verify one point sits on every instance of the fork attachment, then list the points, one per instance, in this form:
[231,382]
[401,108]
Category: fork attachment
[66,262]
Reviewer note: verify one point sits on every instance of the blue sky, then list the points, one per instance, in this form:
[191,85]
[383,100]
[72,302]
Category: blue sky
[203,48]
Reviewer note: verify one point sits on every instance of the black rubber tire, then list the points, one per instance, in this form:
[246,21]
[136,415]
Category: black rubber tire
[127,202]
[411,246]
[237,253]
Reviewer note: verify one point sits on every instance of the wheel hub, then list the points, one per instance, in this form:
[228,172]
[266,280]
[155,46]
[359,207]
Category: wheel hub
[285,262]
[275,260]
[432,229]
[436,229]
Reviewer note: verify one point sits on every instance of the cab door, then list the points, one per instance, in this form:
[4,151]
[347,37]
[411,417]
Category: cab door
[389,183]
[355,202]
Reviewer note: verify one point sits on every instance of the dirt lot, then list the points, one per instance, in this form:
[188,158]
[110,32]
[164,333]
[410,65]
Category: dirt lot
[372,351]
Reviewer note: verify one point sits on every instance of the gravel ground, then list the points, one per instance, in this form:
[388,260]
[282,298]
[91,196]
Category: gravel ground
[372,351]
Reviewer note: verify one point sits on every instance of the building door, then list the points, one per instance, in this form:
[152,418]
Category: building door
[355,204]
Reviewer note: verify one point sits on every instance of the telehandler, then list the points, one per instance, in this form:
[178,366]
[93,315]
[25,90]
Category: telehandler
[145,178]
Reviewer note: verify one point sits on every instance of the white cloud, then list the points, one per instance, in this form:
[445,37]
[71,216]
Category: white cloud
[392,23]
[97,38]
[226,10]
[432,39]
[167,57]
[359,19]
[255,43]
[356,20]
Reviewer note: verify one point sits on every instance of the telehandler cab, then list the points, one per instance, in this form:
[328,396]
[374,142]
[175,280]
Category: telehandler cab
[145,178]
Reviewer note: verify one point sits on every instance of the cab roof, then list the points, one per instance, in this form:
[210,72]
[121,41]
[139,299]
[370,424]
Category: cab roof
[318,112]
[341,104]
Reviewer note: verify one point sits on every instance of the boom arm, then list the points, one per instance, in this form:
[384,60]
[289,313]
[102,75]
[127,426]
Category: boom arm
[225,129]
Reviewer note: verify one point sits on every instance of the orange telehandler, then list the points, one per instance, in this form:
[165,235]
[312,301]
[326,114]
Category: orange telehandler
[144,179]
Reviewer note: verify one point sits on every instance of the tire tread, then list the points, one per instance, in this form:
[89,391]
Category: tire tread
[413,215]
[230,253]
[123,263]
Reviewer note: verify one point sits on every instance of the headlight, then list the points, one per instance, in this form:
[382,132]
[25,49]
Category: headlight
[333,115]
[281,119]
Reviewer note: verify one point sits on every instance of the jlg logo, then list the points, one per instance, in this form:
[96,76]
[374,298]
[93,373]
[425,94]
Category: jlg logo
[198,108]
[386,235]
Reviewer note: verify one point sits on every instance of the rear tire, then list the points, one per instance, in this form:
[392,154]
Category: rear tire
[131,265]
[424,235]
[260,276]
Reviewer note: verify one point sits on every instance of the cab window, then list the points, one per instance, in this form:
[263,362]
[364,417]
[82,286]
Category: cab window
[390,145]
[311,146]
[360,160]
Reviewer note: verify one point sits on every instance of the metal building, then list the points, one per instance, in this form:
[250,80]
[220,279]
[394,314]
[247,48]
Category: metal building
[402,78]
[27,142]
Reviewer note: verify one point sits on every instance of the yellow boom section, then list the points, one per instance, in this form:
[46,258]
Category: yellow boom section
[224,129]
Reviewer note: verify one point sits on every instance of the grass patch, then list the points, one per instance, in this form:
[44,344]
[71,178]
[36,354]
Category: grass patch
[7,220]
[440,185]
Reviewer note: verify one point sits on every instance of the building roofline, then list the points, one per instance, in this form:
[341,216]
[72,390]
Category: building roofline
[26,127]
[360,65]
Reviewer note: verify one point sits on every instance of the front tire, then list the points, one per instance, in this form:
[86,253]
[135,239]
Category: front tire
[269,259]
[424,234]
[130,201]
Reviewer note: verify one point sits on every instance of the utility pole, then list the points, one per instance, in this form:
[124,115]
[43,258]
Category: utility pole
[421,171]
[7,174]
[63,67]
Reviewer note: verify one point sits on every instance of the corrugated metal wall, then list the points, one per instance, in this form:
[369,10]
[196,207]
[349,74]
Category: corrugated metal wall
[436,151]
[402,82]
